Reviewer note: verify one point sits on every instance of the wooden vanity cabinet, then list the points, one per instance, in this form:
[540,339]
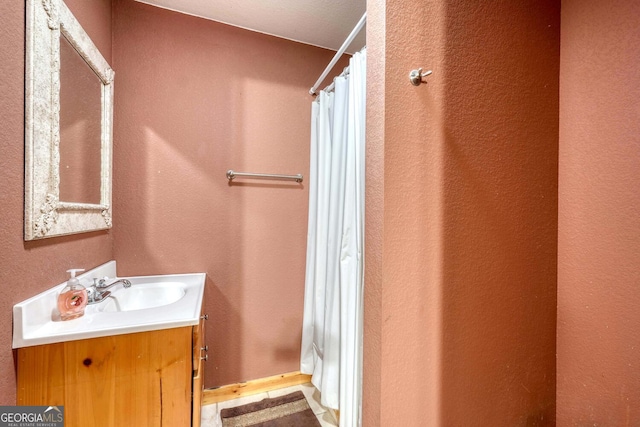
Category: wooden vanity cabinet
[143,379]
[199,356]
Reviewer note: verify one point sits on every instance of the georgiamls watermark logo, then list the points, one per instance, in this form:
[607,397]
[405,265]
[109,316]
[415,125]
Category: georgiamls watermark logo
[31,416]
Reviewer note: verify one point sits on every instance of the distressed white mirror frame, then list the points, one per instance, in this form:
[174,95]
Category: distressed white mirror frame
[45,214]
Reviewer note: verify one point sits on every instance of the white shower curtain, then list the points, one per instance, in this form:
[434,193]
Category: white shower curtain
[332,325]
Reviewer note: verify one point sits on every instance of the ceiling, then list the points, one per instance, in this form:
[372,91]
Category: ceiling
[323,23]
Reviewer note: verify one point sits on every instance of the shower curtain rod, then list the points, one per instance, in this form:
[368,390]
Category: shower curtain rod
[339,53]
[332,85]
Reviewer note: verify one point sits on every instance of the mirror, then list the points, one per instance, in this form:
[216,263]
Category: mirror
[80,122]
[68,125]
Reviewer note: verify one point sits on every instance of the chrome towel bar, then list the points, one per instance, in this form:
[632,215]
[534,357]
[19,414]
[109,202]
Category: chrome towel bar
[231,175]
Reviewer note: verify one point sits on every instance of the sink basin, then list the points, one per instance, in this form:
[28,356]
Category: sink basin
[150,303]
[142,296]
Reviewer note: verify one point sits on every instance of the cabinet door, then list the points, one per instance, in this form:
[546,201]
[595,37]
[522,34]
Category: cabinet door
[139,379]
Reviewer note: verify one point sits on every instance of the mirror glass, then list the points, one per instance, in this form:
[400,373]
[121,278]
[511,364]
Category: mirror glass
[68,125]
[80,128]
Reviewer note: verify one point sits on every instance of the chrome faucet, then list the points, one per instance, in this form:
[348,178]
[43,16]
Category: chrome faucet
[98,291]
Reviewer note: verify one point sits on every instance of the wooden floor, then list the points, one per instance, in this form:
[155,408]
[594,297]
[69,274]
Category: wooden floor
[234,391]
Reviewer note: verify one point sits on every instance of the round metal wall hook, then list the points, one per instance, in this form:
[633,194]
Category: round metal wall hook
[416,76]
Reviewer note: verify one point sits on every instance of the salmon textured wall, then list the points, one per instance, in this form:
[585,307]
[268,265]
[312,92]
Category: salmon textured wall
[403,219]
[500,212]
[195,98]
[27,268]
[599,215]
[461,281]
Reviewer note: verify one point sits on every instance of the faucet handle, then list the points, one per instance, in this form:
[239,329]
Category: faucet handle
[100,282]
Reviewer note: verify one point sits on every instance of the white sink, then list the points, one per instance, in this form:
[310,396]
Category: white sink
[150,303]
[142,296]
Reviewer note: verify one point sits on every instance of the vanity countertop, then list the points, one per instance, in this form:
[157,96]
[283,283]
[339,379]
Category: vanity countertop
[36,320]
